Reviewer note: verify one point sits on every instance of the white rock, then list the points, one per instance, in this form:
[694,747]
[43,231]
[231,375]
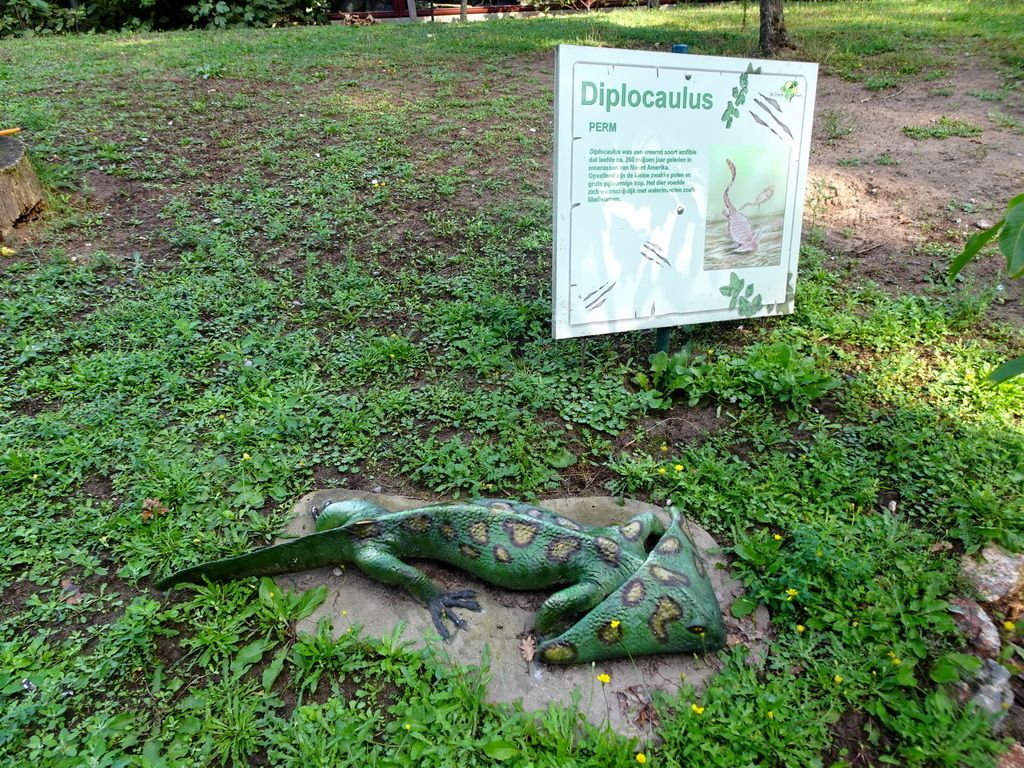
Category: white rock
[994,575]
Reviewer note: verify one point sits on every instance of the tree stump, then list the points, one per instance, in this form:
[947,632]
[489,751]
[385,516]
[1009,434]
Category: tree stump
[20,190]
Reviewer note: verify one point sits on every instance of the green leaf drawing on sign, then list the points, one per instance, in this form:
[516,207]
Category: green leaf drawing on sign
[741,296]
[749,307]
[733,289]
[739,97]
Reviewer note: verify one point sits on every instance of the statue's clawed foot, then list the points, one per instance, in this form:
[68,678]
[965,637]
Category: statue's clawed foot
[440,609]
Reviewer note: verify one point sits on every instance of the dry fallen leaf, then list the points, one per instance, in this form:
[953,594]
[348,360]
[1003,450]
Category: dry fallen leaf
[636,699]
[152,507]
[528,648]
[73,595]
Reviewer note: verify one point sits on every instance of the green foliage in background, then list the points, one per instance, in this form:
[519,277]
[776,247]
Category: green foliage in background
[760,374]
[50,17]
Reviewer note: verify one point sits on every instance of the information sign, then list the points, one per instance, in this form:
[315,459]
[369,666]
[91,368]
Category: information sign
[679,186]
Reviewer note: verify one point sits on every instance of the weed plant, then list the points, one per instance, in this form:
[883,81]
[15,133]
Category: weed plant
[272,262]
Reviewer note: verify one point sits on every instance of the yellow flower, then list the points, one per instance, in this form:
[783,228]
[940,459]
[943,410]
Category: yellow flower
[838,678]
[661,471]
[408,727]
[615,623]
[696,709]
[641,758]
[246,457]
[777,537]
[771,715]
[800,628]
[1009,626]
[605,679]
[897,662]
[791,592]
[679,467]
[5,251]
[664,447]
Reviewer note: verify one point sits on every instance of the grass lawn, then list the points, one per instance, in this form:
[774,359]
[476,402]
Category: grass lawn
[281,260]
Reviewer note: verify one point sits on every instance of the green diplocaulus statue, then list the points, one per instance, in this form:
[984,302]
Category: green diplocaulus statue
[617,595]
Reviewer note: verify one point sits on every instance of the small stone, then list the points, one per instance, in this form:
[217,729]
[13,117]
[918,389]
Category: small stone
[1013,758]
[981,631]
[994,575]
[983,224]
[337,571]
[988,690]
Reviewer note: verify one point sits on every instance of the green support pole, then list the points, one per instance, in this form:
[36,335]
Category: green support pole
[662,335]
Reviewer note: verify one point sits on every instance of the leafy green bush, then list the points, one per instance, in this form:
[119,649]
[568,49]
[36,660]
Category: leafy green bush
[942,128]
[745,717]
[25,17]
[254,13]
[764,373]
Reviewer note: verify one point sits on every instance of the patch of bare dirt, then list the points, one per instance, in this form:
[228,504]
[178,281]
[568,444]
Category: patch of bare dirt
[895,200]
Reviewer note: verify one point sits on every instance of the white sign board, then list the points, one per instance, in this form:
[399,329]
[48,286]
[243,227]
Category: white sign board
[679,187]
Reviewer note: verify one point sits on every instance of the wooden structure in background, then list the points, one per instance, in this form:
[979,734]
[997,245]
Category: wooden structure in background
[20,190]
[425,10]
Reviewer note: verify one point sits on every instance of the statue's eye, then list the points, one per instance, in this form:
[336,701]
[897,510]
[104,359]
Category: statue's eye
[696,629]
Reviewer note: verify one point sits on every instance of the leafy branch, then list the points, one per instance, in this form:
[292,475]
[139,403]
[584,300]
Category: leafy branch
[1010,230]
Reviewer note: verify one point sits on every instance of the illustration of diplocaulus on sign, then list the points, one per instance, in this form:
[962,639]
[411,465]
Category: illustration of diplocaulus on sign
[742,234]
[617,597]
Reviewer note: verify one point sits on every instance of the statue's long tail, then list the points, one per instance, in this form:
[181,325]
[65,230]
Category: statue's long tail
[308,552]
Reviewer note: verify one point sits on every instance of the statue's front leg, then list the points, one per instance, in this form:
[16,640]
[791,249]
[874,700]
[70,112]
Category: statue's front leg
[563,607]
[383,566]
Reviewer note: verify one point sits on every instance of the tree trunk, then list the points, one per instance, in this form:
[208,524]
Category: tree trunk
[773,30]
[462,10]
[20,190]
[411,5]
